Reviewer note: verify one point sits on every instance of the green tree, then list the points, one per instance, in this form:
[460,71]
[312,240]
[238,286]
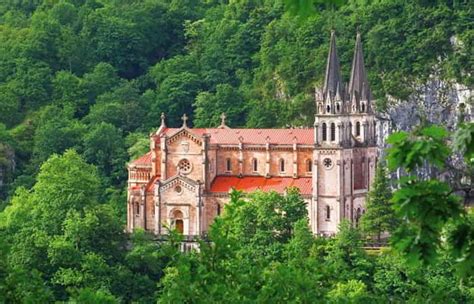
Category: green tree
[176,95]
[428,208]
[56,132]
[345,257]
[379,214]
[104,146]
[209,107]
[351,292]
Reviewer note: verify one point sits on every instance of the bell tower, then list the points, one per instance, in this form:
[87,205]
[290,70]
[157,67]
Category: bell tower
[344,154]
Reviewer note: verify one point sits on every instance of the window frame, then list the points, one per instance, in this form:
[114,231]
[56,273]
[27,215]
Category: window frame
[281,165]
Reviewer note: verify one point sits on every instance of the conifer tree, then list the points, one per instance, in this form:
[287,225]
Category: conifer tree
[379,216]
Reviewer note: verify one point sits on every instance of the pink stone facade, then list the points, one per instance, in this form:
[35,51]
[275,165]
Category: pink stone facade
[185,179]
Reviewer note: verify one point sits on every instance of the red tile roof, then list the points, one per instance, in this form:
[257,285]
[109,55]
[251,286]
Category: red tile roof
[253,136]
[143,160]
[224,184]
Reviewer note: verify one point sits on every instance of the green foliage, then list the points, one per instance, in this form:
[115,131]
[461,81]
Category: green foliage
[138,144]
[410,151]
[463,142]
[100,144]
[88,295]
[227,100]
[59,242]
[95,76]
[351,292]
[427,207]
[379,216]
[346,258]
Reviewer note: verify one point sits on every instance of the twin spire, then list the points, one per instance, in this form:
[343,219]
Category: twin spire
[358,84]
[333,80]
[358,88]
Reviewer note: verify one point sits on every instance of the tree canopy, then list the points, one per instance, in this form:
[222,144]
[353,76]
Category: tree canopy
[83,83]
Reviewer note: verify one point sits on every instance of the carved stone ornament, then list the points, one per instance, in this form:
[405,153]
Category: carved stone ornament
[185,146]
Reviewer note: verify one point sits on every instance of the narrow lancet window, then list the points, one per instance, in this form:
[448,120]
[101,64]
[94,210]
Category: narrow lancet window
[255,165]
[282,165]
[309,165]
[333,132]
[228,165]
[357,128]
[325,132]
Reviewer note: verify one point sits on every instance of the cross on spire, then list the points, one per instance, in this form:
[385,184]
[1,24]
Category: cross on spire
[223,118]
[185,119]
[163,117]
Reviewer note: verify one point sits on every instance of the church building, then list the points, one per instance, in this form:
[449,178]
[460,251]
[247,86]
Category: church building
[184,180]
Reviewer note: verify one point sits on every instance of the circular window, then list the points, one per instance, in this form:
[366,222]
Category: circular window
[178,189]
[327,162]
[184,166]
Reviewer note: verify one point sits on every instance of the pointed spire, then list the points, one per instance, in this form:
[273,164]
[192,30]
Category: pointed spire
[333,79]
[358,84]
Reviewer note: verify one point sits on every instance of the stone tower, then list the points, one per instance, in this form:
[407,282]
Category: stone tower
[345,153]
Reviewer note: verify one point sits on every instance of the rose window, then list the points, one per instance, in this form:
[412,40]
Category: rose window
[327,163]
[184,166]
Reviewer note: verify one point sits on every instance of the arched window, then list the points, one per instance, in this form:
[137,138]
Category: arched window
[178,221]
[333,132]
[363,107]
[357,128]
[254,165]
[328,109]
[137,208]
[218,209]
[228,164]
[328,213]
[325,132]
[309,165]
[338,108]
[282,165]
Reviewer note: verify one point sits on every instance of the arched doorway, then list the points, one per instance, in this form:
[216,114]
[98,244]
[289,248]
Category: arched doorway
[178,221]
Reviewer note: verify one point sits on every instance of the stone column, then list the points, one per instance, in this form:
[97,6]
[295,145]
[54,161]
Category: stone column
[339,133]
[157,203]
[365,131]
[164,156]
[267,162]
[198,207]
[143,207]
[315,207]
[241,157]
[295,158]
[204,163]
[317,136]
[351,140]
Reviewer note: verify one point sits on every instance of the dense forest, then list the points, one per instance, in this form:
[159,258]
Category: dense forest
[83,83]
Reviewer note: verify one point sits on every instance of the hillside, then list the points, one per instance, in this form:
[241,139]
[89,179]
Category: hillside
[84,82]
